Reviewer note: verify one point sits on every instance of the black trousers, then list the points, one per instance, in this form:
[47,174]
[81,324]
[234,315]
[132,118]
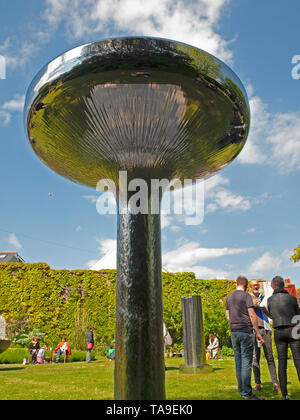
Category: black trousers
[283,339]
[267,346]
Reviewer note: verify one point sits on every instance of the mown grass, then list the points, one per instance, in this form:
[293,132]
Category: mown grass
[94,381]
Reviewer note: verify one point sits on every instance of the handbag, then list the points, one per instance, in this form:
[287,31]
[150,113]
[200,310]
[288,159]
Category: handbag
[90,346]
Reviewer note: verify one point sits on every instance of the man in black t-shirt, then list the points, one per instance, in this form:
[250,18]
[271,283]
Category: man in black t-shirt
[242,318]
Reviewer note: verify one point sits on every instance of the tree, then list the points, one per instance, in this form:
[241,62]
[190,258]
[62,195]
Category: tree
[296,256]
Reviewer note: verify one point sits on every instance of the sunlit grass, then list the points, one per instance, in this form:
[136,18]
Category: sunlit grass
[81,381]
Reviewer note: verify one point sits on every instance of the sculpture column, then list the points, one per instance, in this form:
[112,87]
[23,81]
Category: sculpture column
[139,363]
[193,336]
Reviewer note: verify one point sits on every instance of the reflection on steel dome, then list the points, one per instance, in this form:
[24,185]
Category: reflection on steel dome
[154,107]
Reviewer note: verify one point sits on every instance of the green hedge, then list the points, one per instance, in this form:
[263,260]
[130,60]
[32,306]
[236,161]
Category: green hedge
[62,302]
[16,356]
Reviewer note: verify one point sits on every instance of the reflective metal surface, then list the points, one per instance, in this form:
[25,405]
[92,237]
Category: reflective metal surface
[139,364]
[193,336]
[154,107]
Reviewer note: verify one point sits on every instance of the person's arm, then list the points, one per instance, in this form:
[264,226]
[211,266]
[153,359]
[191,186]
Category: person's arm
[254,322]
[227,315]
[215,344]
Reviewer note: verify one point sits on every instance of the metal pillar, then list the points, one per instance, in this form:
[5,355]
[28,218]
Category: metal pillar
[193,333]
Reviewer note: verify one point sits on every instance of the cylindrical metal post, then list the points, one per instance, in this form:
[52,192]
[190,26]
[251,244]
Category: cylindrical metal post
[139,363]
[193,335]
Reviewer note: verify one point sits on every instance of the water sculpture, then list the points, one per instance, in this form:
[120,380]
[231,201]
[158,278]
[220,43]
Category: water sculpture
[153,109]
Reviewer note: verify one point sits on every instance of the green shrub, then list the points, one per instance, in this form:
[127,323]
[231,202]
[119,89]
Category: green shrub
[13,356]
[16,356]
[227,351]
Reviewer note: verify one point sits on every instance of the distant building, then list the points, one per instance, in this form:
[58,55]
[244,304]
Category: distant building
[10,257]
[298,296]
[289,287]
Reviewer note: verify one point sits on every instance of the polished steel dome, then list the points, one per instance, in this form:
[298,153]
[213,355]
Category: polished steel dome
[153,107]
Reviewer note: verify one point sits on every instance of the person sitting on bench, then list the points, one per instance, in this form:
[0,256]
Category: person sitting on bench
[63,348]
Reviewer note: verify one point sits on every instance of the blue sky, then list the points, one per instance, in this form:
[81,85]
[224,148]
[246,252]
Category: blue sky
[251,207]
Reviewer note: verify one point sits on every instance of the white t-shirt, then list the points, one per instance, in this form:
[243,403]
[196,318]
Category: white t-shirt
[266,320]
[64,347]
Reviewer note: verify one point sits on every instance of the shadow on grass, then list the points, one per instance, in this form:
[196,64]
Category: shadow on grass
[215,369]
[9,369]
[268,389]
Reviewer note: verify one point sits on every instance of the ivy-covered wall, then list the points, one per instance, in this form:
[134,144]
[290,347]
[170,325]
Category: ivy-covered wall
[62,302]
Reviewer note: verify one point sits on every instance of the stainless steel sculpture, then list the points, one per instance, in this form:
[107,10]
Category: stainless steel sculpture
[193,336]
[156,109]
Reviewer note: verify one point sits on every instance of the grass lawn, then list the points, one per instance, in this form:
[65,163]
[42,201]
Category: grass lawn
[81,381]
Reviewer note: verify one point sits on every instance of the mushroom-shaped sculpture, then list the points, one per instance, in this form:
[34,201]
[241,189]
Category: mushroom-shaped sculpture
[153,109]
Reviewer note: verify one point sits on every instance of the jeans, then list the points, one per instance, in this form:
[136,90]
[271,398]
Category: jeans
[242,344]
[88,356]
[283,338]
[59,352]
[267,346]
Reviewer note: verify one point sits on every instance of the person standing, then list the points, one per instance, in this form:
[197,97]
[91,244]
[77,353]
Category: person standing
[89,343]
[283,309]
[266,333]
[242,318]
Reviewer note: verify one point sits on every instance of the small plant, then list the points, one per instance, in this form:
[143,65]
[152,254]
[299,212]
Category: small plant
[25,339]
[227,351]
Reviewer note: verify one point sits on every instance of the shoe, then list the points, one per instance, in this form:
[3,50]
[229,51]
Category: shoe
[257,387]
[254,397]
[285,398]
[277,388]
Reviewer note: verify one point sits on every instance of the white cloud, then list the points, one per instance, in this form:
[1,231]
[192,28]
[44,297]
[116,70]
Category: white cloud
[286,256]
[191,253]
[251,230]
[208,273]
[220,198]
[228,200]
[15,104]
[194,22]
[13,241]
[17,52]
[265,263]
[260,122]
[284,138]
[5,117]
[108,251]
[274,139]
[165,221]
[187,257]
[175,228]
